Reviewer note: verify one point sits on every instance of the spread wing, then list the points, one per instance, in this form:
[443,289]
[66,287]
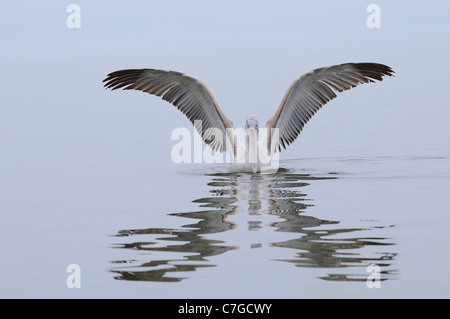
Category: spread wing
[188,94]
[310,91]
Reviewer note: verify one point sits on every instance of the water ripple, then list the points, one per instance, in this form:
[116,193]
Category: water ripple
[164,253]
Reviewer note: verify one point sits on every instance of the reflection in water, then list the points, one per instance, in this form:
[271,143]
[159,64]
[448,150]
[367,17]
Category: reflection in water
[316,242]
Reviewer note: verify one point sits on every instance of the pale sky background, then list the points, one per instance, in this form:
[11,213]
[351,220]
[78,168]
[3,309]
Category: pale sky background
[247,52]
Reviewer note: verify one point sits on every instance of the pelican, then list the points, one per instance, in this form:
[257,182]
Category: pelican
[304,97]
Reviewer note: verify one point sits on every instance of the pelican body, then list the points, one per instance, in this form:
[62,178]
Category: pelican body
[304,97]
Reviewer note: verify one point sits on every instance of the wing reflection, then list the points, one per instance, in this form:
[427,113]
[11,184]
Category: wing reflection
[170,253]
[188,240]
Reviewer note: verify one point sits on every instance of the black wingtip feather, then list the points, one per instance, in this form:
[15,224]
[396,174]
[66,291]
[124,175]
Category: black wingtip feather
[374,70]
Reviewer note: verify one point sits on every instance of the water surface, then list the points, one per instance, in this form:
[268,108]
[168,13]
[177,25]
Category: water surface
[315,242]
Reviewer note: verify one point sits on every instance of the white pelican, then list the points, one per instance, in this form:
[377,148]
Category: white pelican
[304,97]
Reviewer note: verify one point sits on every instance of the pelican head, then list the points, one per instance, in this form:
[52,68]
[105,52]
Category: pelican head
[252,129]
[251,123]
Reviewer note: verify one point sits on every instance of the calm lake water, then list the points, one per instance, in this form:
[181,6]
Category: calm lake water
[84,181]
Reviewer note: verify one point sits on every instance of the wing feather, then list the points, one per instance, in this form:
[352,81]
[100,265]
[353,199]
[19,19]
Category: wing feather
[187,93]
